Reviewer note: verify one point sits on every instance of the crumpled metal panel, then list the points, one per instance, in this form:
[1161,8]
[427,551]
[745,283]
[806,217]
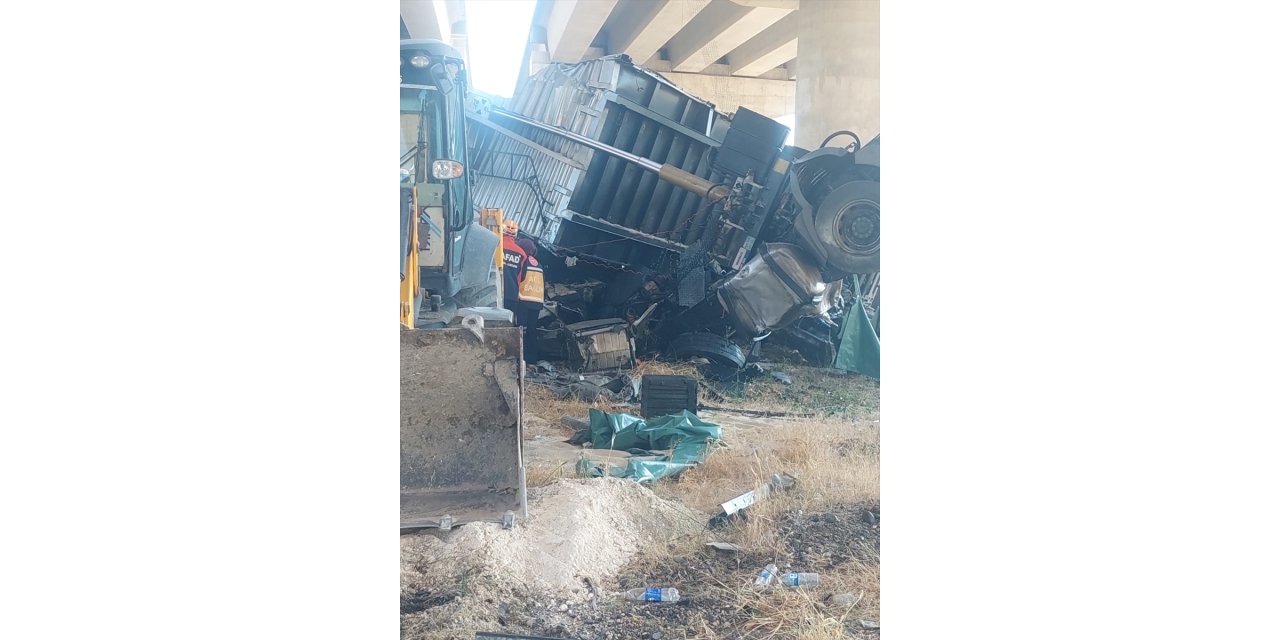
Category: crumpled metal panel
[691,276]
[562,95]
[603,344]
[608,351]
[761,298]
[535,188]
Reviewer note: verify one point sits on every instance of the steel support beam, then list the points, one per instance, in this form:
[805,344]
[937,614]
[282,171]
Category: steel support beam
[573,24]
[640,27]
[718,29]
[768,50]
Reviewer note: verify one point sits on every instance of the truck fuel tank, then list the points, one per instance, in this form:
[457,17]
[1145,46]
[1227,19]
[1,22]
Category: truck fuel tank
[772,289]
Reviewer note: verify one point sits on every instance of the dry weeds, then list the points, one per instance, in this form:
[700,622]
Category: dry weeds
[836,463]
[661,368]
[537,475]
[836,458]
[541,402]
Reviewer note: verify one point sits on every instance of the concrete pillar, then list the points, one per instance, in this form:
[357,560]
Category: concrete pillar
[838,70]
[770,98]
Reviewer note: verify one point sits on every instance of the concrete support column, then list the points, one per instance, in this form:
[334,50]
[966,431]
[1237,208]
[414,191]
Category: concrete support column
[455,11]
[837,70]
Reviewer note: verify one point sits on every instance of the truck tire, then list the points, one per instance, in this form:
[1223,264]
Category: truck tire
[848,227]
[725,356]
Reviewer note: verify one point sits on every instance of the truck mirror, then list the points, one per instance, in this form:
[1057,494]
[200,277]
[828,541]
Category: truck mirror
[441,77]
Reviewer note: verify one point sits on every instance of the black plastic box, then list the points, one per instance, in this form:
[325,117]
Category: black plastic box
[667,395]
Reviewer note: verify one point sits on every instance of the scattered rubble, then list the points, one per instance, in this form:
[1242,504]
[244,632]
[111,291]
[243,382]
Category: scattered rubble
[735,507]
[489,595]
[719,603]
[818,544]
[587,387]
[725,546]
[845,599]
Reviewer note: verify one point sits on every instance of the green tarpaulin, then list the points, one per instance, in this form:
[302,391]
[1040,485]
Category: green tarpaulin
[859,343]
[688,439]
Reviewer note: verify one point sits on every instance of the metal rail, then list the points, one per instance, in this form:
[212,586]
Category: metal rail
[666,172]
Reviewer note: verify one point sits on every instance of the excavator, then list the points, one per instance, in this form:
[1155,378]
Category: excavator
[461,374]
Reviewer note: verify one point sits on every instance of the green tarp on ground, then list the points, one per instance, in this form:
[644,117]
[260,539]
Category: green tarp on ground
[687,437]
[860,342]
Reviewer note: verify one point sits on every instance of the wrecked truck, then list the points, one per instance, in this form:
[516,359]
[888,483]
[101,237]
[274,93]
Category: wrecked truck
[664,225]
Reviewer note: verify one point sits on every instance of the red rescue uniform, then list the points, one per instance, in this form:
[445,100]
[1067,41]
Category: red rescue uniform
[514,262]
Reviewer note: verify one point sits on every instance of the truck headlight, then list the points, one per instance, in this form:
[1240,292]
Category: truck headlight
[446,169]
[420,60]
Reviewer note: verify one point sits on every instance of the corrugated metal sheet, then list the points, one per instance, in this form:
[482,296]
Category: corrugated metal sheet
[613,101]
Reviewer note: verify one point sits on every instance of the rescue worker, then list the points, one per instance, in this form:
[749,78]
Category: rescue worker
[522,285]
[513,261]
[532,288]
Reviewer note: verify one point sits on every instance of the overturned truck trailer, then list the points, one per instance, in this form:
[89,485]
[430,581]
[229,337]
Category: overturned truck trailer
[654,209]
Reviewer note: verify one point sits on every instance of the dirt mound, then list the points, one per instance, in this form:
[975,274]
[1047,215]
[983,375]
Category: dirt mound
[577,529]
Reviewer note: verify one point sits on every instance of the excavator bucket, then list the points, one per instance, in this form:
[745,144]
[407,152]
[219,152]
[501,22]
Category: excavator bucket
[461,457]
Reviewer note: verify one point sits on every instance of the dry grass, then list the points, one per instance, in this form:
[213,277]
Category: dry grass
[539,401]
[545,475]
[660,368]
[794,614]
[835,457]
[805,614]
[820,392]
[798,611]
[813,391]
[836,462]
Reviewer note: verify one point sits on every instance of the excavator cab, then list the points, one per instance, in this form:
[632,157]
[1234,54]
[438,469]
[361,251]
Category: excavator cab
[455,255]
[461,379]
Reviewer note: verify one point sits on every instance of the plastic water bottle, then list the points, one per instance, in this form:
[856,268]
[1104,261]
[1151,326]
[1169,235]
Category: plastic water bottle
[800,579]
[652,594]
[766,576]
